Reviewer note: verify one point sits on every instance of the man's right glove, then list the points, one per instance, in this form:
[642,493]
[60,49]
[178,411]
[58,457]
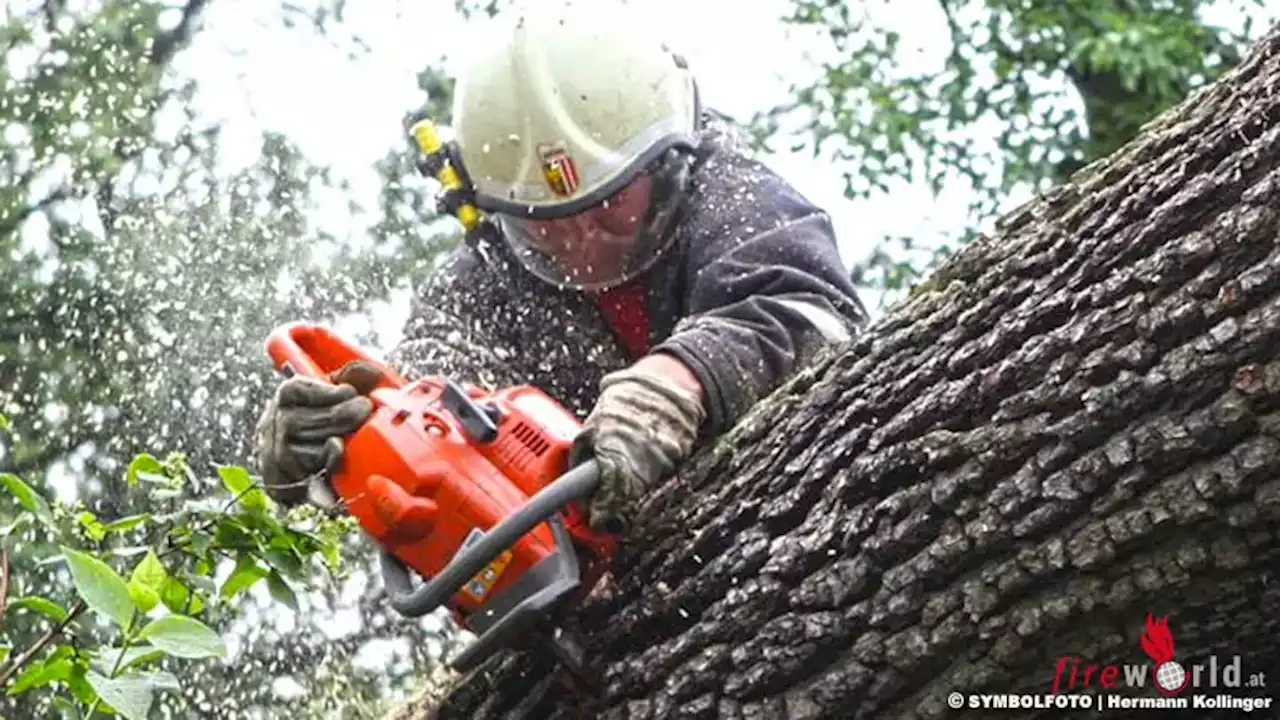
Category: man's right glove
[643,425]
[301,429]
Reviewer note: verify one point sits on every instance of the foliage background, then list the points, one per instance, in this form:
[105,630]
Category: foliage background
[149,244]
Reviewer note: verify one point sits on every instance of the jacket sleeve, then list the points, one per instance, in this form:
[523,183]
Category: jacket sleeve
[759,306]
[446,332]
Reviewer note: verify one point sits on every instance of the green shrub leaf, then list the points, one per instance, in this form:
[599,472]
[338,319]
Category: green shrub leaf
[183,636]
[104,591]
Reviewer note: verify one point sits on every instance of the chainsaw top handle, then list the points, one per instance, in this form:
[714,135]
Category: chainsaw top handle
[575,485]
[300,348]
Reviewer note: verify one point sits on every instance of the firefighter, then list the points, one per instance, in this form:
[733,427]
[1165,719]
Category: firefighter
[633,261]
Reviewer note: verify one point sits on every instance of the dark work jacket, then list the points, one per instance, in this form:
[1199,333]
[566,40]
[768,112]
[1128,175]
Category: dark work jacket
[752,287]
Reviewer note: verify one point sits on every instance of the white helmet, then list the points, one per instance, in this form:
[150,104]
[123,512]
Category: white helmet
[575,129]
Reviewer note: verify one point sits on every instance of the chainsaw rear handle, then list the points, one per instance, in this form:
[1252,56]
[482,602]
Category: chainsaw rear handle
[576,484]
[300,348]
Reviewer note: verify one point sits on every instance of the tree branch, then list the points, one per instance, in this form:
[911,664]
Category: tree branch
[76,608]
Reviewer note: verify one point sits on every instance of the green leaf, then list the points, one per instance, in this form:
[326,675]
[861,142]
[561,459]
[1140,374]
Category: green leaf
[201,542]
[41,673]
[246,573]
[235,479]
[79,685]
[144,597]
[146,468]
[150,572]
[203,566]
[95,531]
[4,652]
[232,536]
[68,708]
[183,636]
[163,681]
[19,524]
[127,523]
[267,526]
[139,654]
[174,595]
[130,695]
[332,554]
[103,590]
[61,651]
[28,498]
[239,482]
[281,591]
[44,606]
[133,655]
[284,561]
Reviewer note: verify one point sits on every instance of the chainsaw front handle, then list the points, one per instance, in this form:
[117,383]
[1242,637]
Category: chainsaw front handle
[575,485]
[300,348]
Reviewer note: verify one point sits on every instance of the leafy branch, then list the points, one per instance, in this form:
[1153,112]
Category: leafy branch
[76,608]
[162,604]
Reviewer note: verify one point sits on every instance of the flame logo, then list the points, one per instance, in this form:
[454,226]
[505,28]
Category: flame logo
[1157,641]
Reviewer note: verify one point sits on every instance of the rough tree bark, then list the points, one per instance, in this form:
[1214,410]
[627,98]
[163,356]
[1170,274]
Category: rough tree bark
[1075,424]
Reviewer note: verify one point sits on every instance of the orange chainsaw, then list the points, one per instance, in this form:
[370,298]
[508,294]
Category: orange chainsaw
[469,489]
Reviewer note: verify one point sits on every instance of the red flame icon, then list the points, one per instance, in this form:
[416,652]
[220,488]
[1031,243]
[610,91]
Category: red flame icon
[1157,641]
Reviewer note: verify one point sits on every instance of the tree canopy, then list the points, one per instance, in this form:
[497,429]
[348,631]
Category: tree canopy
[1023,93]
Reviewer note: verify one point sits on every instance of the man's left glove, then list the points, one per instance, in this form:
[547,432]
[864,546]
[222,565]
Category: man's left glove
[300,432]
[642,426]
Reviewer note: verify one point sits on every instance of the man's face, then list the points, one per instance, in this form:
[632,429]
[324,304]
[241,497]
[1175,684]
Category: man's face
[596,242]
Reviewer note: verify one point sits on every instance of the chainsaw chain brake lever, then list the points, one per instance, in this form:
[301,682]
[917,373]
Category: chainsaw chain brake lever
[479,422]
[575,485]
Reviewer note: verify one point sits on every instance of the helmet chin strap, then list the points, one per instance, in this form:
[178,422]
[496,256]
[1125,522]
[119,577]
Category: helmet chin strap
[671,178]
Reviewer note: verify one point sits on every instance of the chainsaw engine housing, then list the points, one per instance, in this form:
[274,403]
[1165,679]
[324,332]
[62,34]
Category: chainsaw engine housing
[436,466]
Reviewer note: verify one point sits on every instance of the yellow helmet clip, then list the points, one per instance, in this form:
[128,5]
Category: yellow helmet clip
[438,162]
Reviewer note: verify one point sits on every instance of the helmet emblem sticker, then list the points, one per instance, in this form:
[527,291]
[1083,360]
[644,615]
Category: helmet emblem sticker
[558,169]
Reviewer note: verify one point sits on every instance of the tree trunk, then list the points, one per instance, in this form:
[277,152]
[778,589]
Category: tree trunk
[1075,424]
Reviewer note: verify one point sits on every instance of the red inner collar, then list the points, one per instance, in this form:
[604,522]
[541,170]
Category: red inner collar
[624,308]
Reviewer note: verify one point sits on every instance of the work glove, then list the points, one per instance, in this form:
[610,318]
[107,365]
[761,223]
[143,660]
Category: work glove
[300,432]
[642,426]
